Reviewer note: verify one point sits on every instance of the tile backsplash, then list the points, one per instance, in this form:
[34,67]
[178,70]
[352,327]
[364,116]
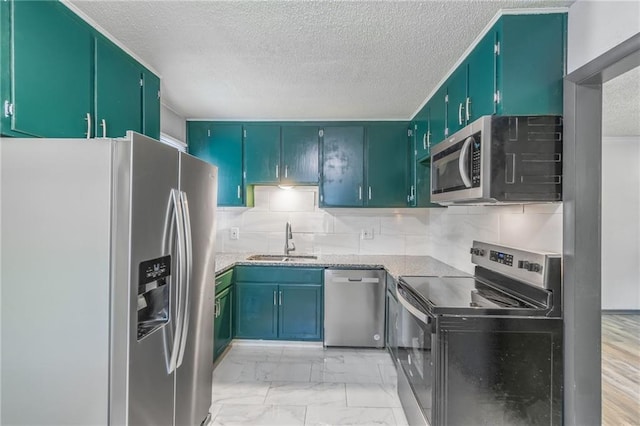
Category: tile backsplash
[445,234]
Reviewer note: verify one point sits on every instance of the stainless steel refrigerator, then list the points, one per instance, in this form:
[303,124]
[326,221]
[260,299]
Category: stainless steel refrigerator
[107,282]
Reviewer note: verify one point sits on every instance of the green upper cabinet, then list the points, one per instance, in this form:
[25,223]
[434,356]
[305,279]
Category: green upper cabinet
[262,148]
[61,78]
[118,91]
[151,104]
[421,132]
[438,115]
[456,98]
[387,165]
[299,155]
[220,145]
[531,63]
[46,70]
[481,79]
[342,166]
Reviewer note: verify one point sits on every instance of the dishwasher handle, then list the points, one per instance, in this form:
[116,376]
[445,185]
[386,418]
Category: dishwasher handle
[358,280]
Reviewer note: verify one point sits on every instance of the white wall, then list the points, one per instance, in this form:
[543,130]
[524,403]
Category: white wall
[172,124]
[597,26]
[621,222]
[445,234]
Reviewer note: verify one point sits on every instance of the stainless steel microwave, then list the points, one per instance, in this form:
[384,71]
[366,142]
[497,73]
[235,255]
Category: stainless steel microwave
[499,160]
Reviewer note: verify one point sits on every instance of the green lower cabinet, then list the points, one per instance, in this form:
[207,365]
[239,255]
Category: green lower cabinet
[223,321]
[300,312]
[278,303]
[256,313]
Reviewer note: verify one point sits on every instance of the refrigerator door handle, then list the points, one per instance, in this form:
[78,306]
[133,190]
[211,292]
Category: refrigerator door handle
[187,283]
[176,202]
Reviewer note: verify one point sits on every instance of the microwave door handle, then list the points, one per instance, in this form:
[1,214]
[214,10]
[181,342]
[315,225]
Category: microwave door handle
[462,162]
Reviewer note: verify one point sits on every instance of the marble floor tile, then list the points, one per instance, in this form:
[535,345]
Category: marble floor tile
[232,370]
[240,392]
[282,372]
[401,419]
[325,394]
[255,353]
[389,374]
[335,416]
[377,356]
[315,355]
[251,415]
[346,373]
[372,395]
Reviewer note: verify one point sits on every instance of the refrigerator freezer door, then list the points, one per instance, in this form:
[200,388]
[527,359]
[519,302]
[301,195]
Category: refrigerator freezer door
[198,184]
[146,176]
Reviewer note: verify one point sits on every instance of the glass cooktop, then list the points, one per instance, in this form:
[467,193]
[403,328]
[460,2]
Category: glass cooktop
[445,293]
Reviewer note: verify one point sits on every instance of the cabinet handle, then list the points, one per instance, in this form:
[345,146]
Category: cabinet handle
[428,138]
[103,123]
[424,141]
[280,298]
[277,171]
[413,192]
[286,171]
[239,194]
[460,113]
[274,298]
[467,109]
[369,192]
[88,118]
[360,192]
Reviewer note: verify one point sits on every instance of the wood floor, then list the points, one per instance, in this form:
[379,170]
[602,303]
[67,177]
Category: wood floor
[620,370]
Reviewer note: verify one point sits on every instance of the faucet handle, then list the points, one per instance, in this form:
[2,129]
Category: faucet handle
[293,246]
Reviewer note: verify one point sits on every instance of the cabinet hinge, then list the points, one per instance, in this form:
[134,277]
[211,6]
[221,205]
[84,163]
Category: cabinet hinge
[8,109]
[446,131]
[496,97]
[446,99]
[141,82]
[244,133]
[244,175]
[158,94]
[320,133]
[415,152]
[496,48]
[208,132]
[409,132]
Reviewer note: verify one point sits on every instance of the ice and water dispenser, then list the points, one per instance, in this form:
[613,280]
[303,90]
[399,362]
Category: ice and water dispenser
[153,294]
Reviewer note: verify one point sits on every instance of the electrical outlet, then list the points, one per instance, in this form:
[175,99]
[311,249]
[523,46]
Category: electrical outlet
[234,233]
[366,234]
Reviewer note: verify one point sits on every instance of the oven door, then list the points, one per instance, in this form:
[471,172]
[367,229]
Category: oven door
[416,334]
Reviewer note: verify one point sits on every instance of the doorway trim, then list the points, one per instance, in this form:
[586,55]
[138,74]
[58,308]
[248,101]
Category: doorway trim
[582,229]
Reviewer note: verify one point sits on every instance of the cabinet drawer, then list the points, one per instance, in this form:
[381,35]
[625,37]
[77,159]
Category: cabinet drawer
[275,274]
[224,281]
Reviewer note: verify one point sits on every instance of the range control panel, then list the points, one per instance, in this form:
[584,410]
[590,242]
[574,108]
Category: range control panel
[530,266]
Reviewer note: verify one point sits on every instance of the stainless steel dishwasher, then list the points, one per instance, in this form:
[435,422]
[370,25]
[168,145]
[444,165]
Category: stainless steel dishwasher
[354,307]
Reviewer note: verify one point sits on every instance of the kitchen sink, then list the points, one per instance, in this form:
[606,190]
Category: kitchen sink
[280,258]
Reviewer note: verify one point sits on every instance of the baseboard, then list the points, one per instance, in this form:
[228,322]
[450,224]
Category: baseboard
[276,343]
[621,312]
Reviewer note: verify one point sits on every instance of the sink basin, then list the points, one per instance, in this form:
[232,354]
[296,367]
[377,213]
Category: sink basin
[279,258]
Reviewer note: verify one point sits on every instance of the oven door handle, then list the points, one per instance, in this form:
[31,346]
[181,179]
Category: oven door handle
[462,162]
[413,310]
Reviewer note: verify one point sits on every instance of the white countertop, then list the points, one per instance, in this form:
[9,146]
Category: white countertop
[395,265]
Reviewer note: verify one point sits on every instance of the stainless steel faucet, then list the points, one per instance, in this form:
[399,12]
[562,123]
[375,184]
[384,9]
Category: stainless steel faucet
[289,246]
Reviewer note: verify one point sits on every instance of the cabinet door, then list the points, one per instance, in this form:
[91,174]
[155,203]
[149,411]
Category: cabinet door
[299,155]
[300,312]
[223,331]
[438,110]
[151,104]
[256,313]
[481,79]
[421,133]
[342,167]
[387,165]
[220,145]
[457,97]
[118,91]
[262,153]
[50,71]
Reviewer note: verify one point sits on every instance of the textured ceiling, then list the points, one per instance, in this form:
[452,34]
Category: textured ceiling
[621,105]
[294,59]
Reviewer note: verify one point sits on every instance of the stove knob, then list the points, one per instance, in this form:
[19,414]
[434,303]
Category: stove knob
[523,264]
[535,267]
